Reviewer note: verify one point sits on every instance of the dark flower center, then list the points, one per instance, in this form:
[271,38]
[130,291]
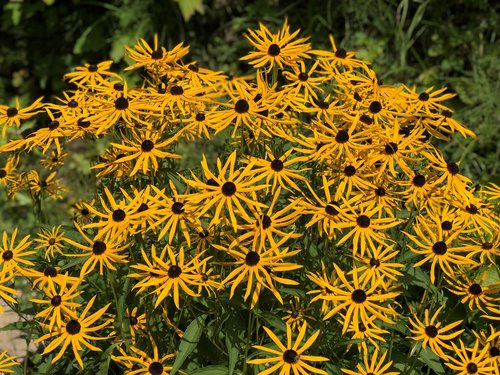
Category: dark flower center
[375,107]
[7,255]
[72,103]
[349,171]
[73,327]
[357,97]
[423,97]
[52,241]
[82,123]
[494,351]
[53,125]
[363,221]
[452,168]
[391,148]
[331,210]
[118,86]
[446,225]
[121,103]
[487,246]
[439,248]
[418,180]
[447,113]
[365,119]
[342,136]
[291,356]
[471,368]
[118,215]
[252,258]
[431,331]
[3,173]
[204,277]
[380,191]
[475,289]
[176,90]
[341,53]
[472,209]
[303,77]
[156,55]
[178,208]
[133,320]
[203,234]
[273,50]
[374,262]
[155,368]
[11,112]
[358,296]
[277,165]
[266,221]
[147,145]
[98,247]
[294,314]
[92,68]
[56,301]
[200,117]
[361,327]
[228,188]
[174,271]
[194,68]
[84,212]
[50,272]
[241,106]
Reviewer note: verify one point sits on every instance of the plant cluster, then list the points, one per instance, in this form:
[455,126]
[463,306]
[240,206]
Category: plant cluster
[327,192]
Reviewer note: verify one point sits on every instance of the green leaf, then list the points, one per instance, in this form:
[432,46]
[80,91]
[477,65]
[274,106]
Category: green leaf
[211,370]
[188,342]
[234,334]
[189,7]
[431,360]
[104,360]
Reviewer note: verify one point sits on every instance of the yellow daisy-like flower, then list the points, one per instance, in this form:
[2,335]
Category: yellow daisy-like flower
[137,322]
[14,256]
[297,314]
[168,276]
[76,333]
[10,116]
[378,266]
[276,49]
[146,149]
[91,75]
[430,332]
[50,241]
[471,360]
[7,170]
[359,301]
[374,367]
[7,363]
[49,185]
[289,359]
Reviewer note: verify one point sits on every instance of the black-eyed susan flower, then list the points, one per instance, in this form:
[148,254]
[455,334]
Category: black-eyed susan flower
[50,241]
[359,301]
[10,116]
[140,363]
[105,251]
[373,365]
[168,273]
[136,320]
[280,50]
[437,249]
[49,185]
[8,170]
[431,333]
[50,276]
[471,360]
[15,257]
[297,314]
[61,305]
[475,292]
[365,334]
[290,358]
[77,332]
[255,267]
[225,192]
[8,363]
[379,266]
[91,75]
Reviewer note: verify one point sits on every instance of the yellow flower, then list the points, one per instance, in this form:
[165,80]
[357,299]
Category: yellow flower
[76,332]
[374,367]
[7,363]
[51,240]
[10,116]
[290,358]
[14,256]
[140,363]
[471,360]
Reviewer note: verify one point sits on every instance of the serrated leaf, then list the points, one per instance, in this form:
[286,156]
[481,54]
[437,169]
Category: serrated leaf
[188,342]
[211,370]
[189,7]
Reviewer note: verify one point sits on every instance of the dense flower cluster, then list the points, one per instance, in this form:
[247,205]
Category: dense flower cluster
[329,192]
